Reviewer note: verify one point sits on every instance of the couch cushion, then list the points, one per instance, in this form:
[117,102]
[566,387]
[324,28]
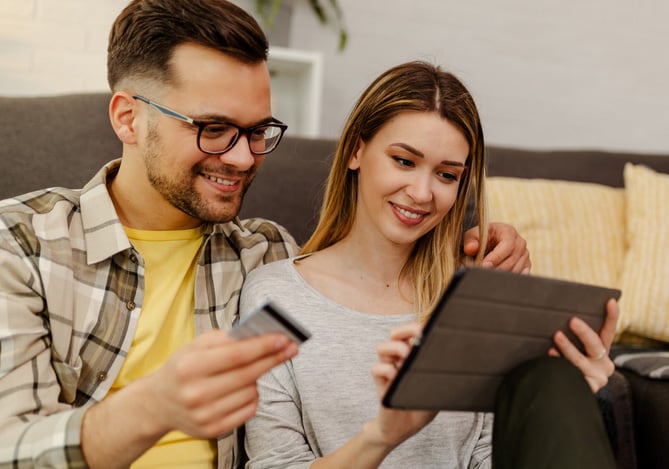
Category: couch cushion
[54,141]
[644,305]
[289,186]
[574,230]
[649,363]
[601,167]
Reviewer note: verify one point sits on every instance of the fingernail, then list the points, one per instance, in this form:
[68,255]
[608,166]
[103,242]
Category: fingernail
[281,342]
[487,264]
[526,271]
[291,351]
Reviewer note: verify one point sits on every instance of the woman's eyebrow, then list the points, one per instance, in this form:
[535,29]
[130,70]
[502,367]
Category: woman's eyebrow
[409,148]
[420,154]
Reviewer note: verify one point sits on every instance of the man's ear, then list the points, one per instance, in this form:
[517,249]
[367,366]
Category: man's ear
[123,116]
[354,162]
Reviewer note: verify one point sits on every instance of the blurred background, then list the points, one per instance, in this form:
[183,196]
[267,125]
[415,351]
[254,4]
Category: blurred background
[544,73]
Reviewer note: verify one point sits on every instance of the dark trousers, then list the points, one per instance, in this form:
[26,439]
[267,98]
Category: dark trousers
[547,417]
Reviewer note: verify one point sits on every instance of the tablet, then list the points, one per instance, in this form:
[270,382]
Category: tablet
[486,323]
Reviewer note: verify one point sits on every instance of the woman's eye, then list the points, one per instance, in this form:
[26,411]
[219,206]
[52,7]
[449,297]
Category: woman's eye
[448,176]
[403,161]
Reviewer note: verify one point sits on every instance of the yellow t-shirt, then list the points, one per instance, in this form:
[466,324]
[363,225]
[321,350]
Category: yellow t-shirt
[165,324]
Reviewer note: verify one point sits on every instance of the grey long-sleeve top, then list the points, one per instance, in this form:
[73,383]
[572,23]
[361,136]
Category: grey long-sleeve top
[313,404]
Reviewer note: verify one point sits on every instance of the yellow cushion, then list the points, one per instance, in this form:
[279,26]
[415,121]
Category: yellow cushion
[644,305]
[574,230]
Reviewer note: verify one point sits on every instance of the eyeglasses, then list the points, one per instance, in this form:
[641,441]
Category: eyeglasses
[216,137]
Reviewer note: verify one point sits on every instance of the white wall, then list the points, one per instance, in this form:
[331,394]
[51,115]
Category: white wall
[54,46]
[545,73]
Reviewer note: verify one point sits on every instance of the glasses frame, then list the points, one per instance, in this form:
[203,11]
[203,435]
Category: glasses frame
[202,124]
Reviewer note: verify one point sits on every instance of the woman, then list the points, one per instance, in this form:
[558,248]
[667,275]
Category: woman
[386,245]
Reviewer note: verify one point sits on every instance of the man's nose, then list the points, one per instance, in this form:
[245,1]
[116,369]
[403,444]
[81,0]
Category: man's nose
[239,155]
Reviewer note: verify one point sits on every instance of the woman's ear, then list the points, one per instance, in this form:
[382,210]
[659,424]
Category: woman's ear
[354,162]
[123,116]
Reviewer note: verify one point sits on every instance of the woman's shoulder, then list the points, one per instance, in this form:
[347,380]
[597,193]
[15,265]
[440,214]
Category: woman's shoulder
[276,275]
[277,280]
[273,267]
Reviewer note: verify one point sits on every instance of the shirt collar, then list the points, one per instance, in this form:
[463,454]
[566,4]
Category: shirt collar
[103,231]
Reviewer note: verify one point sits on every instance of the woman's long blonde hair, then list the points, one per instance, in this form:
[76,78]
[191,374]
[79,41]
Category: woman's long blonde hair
[413,86]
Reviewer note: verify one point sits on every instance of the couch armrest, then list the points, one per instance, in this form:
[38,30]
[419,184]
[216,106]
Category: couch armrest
[615,401]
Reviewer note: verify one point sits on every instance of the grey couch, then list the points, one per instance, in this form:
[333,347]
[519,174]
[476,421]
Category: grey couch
[64,140]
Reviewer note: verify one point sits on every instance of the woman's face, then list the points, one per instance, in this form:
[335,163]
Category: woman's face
[408,176]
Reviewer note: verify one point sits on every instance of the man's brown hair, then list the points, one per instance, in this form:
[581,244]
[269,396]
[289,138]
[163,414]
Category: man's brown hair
[146,32]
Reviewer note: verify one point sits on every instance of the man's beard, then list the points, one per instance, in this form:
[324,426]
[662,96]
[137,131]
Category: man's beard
[179,189]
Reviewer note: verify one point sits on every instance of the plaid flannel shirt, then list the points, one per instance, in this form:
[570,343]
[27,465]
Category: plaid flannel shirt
[71,290]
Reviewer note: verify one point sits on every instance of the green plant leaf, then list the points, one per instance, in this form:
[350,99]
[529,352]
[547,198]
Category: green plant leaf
[319,11]
[343,39]
[269,9]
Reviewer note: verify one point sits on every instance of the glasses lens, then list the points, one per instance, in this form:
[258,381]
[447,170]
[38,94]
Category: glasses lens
[263,139]
[217,138]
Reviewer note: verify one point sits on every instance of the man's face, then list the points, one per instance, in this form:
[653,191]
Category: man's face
[209,86]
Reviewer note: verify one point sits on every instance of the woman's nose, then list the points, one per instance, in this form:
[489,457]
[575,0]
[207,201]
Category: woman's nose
[420,189]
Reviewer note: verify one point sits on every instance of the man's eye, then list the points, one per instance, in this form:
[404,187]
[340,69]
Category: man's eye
[259,133]
[218,131]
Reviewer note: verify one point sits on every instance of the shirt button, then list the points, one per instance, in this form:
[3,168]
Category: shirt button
[133,259]
[130,305]
[101,376]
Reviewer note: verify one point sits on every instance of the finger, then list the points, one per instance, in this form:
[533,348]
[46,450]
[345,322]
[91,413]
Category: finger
[211,338]
[574,355]
[596,371]
[509,255]
[233,380]
[220,337]
[251,371]
[233,419]
[507,263]
[384,371]
[608,330]
[383,374]
[406,331]
[501,257]
[206,412]
[567,349]
[213,359]
[591,341]
[499,249]
[523,265]
[392,352]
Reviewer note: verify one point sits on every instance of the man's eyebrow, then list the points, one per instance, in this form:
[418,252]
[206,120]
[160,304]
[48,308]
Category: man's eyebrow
[227,119]
[420,154]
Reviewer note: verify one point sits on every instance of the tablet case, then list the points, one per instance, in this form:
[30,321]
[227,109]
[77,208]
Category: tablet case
[486,323]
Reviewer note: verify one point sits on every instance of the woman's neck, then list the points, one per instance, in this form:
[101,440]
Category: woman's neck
[370,264]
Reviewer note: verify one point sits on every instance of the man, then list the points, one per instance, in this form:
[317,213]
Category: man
[115,298]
